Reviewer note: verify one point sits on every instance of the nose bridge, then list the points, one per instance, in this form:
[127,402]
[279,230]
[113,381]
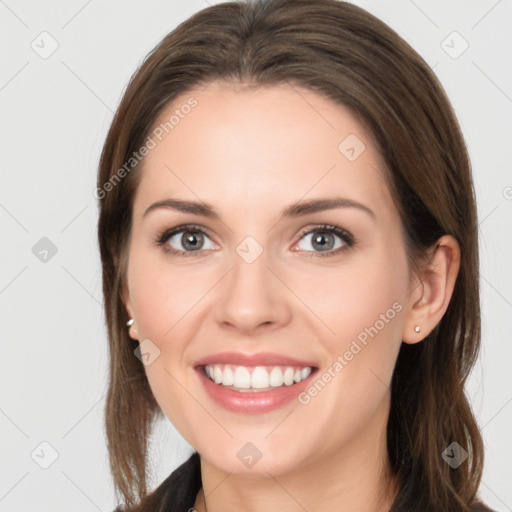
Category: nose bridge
[251,294]
[250,270]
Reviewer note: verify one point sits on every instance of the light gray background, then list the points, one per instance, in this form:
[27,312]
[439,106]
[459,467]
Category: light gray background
[55,113]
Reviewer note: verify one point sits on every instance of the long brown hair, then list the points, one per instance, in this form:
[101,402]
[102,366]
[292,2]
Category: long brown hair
[348,55]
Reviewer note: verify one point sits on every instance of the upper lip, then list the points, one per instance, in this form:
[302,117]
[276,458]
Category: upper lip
[257,359]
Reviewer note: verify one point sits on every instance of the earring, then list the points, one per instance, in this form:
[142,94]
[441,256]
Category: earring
[417,329]
[130,322]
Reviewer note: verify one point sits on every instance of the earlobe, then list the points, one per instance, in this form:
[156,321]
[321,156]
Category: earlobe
[415,329]
[430,298]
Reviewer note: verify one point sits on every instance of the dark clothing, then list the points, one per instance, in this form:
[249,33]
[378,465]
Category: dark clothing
[178,492]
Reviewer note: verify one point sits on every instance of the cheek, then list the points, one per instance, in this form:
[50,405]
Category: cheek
[364,316]
[166,299]
[353,299]
[165,294]
[353,387]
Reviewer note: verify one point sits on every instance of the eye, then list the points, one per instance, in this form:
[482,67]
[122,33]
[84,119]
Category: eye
[326,239]
[185,240]
[190,240]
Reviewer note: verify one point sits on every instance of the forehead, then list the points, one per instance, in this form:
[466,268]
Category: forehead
[274,143]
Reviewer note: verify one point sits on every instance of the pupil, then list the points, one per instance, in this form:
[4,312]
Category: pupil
[191,240]
[322,242]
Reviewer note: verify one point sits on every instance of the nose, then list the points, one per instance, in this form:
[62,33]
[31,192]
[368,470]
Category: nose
[252,298]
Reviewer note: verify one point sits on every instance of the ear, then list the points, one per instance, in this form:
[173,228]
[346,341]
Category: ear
[132,331]
[430,293]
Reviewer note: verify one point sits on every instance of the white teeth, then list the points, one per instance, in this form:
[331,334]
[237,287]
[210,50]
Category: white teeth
[242,378]
[217,374]
[276,377]
[304,373]
[228,377]
[259,377]
[288,376]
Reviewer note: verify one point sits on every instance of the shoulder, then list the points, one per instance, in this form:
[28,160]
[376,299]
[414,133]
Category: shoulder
[177,493]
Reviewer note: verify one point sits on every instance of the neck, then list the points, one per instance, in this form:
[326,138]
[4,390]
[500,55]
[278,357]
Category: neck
[352,479]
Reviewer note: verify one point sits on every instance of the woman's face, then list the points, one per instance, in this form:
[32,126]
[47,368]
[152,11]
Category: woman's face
[265,274]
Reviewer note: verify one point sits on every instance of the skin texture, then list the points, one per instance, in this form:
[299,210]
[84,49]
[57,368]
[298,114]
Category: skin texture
[250,153]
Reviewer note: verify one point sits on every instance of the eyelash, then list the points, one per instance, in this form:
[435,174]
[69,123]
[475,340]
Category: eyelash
[348,240]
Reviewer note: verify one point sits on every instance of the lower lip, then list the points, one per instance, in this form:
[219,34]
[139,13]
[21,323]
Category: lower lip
[252,402]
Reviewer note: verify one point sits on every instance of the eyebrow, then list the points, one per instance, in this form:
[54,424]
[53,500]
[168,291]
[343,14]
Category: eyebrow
[295,210]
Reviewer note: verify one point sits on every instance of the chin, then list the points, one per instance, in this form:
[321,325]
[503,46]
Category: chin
[251,458]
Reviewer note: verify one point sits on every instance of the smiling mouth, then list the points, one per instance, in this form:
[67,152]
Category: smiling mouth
[256,378]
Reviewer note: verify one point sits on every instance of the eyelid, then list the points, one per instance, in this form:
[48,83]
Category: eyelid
[331,228]
[167,233]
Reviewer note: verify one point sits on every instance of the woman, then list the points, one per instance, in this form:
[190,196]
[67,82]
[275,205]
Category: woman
[289,244]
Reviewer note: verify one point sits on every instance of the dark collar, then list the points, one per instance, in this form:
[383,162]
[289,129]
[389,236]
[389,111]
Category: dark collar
[178,492]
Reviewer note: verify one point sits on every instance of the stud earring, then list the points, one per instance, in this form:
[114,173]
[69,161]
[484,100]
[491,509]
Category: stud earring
[130,322]
[417,329]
